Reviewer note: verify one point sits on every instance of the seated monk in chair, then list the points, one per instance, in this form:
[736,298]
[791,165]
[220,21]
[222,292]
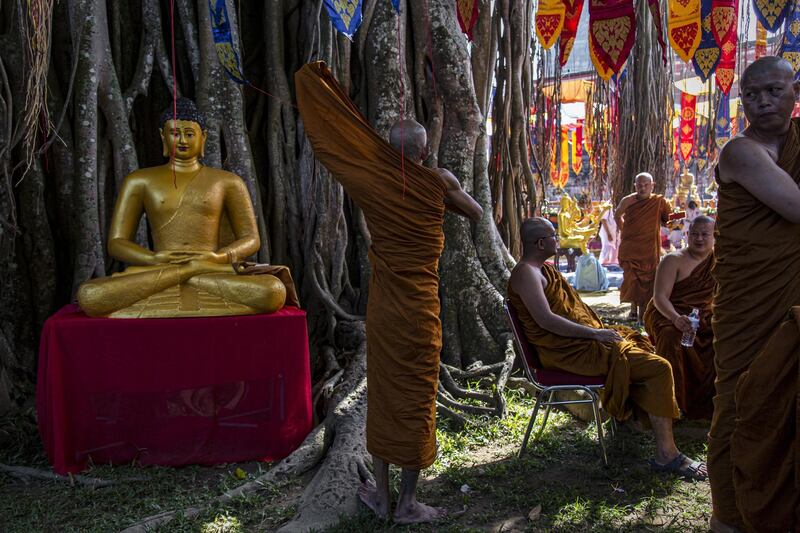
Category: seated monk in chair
[192,209]
[683,283]
[569,336]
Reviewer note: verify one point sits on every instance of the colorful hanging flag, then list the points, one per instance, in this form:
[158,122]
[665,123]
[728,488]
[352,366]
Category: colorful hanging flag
[345,15]
[223,41]
[771,13]
[575,152]
[790,46]
[603,70]
[706,57]
[564,163]
[549,21]
[687,127]
[724,23]
[722,127]
[396,6]
[700,144]
[684,27]
[572,16]
[612,27]
[467,15]
[655,14]
[761,40]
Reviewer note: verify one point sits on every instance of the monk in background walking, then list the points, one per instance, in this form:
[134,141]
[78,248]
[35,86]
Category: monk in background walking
[683,283]
[403,203]
[753,449]
[639,218]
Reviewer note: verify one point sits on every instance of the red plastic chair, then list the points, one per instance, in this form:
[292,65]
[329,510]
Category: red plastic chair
[548,381]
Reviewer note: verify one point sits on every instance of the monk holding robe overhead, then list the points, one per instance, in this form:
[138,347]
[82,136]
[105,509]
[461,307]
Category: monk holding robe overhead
[639,217]
[404,204]
[684,283]
[753,449]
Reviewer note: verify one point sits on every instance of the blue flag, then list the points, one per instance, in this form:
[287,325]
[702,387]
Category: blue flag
[223,41]
[770,13]
[345,15]
[722,128]
[706,57]
[396,5]
[790,47]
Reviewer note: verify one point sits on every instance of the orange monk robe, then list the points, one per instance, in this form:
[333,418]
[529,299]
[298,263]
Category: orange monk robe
[640,247]
[635,376]
[692,368]
[404,214]
[765,446]
[758,281]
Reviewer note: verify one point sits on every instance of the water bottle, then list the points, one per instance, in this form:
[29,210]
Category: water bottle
[688,337]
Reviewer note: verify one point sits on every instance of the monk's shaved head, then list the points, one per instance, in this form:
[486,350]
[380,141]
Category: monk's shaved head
[534,229]
[767,65]
[409,137]
[644,176]
[702,219]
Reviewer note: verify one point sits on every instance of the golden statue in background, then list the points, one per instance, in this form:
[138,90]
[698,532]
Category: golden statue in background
[575,229]
[686,191]
[192,210]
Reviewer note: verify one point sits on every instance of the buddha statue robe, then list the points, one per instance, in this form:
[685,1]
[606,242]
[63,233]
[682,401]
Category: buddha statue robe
[636,378]
[640,247]
[758,275]
[692,368]
[403,203]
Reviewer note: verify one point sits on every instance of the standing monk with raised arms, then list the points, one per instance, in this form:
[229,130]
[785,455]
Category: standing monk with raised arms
[639,218]
[403,203]
[753,449]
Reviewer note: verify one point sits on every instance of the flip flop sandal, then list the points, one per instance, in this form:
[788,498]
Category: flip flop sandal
[690,471]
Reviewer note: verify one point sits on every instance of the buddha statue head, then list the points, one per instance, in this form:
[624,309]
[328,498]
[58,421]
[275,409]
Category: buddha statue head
[183,131]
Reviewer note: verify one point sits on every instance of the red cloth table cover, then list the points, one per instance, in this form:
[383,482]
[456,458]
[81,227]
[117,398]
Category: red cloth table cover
[172,391]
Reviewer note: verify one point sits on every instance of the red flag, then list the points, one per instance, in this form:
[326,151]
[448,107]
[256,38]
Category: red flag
[724,23]
[467,15]
[572,17]
[688,105]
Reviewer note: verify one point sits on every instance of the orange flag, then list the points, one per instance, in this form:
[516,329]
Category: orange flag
[549,22]
[684,26]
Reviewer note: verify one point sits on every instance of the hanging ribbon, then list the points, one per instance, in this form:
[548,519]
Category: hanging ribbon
[761,40]
[700,145]
[771,13]
[564,164]
[345,15]
[722,128]
[549,22]
[790,46]
[223,41]
[575,152]
[706,57]
[572,17]
[687,127]
[612,27]
[724,23]
[684,27]
[467,15]
[655,14]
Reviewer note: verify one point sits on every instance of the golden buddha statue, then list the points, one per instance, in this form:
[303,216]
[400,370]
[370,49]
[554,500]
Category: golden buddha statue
[686,191]
[574,229]
[202,223]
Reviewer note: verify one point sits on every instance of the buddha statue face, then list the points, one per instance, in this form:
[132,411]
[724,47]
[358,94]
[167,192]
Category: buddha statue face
[184,138]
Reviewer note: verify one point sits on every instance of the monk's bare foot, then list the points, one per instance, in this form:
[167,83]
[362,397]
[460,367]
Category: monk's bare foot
[717,526]
[368,494]
[415,513]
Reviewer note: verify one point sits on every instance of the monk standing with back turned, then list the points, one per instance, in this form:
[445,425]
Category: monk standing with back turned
[753,449]
[639,217]
[403,203]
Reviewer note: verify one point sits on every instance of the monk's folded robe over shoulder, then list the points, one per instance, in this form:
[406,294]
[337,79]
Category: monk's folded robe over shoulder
[765,446]
[635,376]
[403,203]
[692,367]
[640,247]
[757,271]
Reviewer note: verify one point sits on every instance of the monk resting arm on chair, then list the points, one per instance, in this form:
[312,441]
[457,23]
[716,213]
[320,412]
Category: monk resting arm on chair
[529,283]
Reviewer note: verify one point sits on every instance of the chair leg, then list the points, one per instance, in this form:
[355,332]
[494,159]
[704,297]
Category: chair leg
[599,424]
[530,424]
[546,415]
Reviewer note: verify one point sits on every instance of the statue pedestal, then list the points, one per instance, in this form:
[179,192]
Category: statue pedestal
[172,391]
